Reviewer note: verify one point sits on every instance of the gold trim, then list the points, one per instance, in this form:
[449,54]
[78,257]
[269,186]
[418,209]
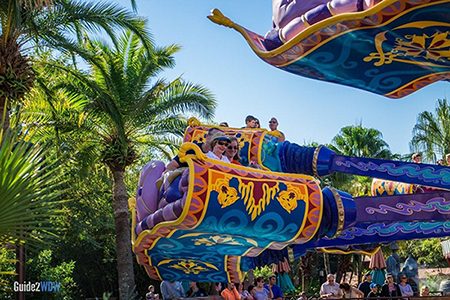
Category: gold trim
[330,9]
[315,159]
[193,121]
[305,21]
[341,213]
[337,251]
[132,207]
[413,82]
[190,146]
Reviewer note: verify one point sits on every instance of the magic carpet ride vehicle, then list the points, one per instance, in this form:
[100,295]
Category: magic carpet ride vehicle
[213,220]
[392,48]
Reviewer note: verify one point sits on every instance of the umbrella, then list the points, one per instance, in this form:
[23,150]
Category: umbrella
[378,267]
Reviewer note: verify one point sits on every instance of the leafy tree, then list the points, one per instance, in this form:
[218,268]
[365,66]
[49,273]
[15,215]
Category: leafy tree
[49,23]
[431,134]
[358,141]
[118,109]
[427,252]
[42,269]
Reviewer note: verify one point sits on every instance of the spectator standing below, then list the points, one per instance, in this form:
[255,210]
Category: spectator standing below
[424,291]
[303,296]
[245,295]
[365,285]
[261,293]
[251,291]
[205,147]
[195,290]
[350,292]
[230,292]
[219,144]
[373,291]
[440,162]
[405,288]
[390,288]
[276,290]
[273,125]
[250,122]
[151,293]
[215,289]
[330,289]
[172,290]
[417,158]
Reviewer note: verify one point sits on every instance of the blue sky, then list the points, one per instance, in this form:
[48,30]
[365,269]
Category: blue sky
[307,110]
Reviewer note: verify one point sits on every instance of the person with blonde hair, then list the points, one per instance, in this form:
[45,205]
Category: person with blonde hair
[424,291]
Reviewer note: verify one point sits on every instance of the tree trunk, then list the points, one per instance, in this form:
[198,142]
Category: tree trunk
[4,111]
[344,265]
[306,266]
[123,236]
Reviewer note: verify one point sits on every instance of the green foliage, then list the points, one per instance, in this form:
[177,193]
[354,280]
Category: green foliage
[30,186]
[117,114]
[7,269]
[427,252]
[359,141]
[432,281]
[431,134]
[265,272]
[42,268]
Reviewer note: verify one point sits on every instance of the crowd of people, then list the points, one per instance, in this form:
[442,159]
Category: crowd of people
[268,290]
[368,289]
[261,290]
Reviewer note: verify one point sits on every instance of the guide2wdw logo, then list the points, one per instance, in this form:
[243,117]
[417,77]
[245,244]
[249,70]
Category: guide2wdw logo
[39,286]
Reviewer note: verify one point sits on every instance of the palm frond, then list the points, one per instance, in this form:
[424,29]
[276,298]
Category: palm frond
[30,189]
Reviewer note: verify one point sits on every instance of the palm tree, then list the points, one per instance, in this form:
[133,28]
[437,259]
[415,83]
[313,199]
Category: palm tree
[359,141]
[431,134]
[54,24]
[362,142]
[124,109]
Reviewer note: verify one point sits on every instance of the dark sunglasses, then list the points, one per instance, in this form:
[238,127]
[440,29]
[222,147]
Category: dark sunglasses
[233,147]
[272,122]
[223,143]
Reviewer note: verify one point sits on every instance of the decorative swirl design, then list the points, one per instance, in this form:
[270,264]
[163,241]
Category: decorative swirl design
[390,229]
[427,174]
[436,204]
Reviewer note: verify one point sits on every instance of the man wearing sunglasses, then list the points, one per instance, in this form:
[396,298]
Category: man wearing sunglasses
[273,125]
[205,147]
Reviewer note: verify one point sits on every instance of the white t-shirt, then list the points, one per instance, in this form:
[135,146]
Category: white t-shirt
[210,154]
